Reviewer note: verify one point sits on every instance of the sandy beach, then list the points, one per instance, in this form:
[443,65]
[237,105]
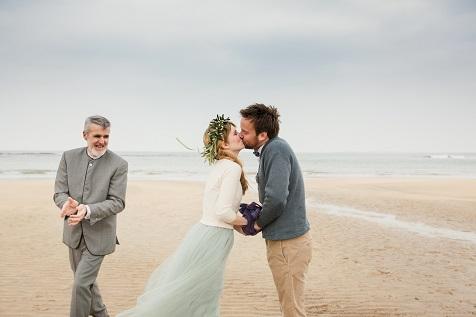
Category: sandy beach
[382,247]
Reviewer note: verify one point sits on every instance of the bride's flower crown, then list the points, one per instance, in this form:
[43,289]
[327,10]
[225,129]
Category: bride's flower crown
[216,130]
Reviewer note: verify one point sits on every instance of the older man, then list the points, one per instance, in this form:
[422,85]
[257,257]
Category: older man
[90,190]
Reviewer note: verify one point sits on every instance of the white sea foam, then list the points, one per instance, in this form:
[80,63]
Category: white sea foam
[445,156]
[391,220]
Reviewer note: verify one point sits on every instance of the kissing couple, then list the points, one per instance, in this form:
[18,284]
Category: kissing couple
[190,281]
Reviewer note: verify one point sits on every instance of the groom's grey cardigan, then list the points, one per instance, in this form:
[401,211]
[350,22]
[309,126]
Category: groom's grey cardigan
[281,192]
[100,184]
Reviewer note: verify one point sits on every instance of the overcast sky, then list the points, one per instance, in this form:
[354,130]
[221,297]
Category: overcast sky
[346,75]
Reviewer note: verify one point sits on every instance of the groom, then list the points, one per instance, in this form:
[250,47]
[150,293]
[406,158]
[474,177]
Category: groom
[283,216]
[90,189]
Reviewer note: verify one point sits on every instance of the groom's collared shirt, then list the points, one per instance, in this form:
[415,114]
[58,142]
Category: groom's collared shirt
[260,149]
[257,153]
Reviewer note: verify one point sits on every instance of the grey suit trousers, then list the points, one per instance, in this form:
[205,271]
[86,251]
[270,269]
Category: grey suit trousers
[86,299]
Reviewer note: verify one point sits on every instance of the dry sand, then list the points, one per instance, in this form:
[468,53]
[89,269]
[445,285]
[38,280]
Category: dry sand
[359,267]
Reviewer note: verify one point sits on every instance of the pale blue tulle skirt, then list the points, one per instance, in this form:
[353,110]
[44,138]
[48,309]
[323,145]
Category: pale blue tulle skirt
[189,283]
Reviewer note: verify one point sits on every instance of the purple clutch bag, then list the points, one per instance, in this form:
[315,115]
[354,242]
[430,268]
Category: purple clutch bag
[251,212]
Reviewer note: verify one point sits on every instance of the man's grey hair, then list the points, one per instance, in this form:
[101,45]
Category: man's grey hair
[101,121]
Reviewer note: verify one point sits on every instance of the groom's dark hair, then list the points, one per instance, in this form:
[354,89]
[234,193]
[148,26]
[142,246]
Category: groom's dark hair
[264,118]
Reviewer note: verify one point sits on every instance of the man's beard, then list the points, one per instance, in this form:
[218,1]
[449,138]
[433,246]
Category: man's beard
[251,146]
[97,153]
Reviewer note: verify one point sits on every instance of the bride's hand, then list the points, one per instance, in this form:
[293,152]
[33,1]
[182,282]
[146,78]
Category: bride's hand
[239,229]
[239,220]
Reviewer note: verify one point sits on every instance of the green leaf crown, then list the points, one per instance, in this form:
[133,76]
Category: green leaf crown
[216,130]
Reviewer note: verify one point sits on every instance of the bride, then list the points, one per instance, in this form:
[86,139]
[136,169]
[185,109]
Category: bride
[190,281]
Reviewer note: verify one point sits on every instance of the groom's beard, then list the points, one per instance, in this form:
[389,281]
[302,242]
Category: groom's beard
[249,145]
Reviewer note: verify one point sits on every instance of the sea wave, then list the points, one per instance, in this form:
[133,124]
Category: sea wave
[445,156]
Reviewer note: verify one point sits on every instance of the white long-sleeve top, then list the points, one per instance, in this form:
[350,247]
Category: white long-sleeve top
[222,196]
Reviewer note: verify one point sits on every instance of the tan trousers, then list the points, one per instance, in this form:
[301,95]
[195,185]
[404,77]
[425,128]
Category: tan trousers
[289,261]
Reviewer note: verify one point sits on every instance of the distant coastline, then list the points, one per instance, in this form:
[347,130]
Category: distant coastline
[190,166]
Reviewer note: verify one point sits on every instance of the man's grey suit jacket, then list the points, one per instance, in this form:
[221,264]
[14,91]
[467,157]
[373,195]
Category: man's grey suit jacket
[100,184]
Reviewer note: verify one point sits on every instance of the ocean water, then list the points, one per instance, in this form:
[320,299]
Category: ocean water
[191,166]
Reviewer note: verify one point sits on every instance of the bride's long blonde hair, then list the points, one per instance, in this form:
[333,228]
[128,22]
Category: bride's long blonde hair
[223,153]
